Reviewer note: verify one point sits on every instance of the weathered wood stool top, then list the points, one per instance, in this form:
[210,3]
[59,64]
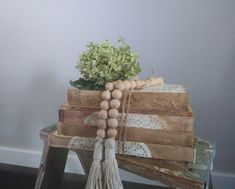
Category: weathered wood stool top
[194,175]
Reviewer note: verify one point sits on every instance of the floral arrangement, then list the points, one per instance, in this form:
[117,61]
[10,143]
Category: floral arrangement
[102,63]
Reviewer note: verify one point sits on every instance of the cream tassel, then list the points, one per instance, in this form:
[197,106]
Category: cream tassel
[112,178]
[95,178]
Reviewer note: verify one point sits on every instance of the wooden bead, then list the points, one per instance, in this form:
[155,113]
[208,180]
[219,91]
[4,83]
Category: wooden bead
[115,103]
[102,114]
[101,123]
[109,86]
[112,123]
[113,113]
[139,84]
[100,133]
[127,85]
[112,133]
[116,94]
[120,85]
[104,105]
[132,84]
[106,95]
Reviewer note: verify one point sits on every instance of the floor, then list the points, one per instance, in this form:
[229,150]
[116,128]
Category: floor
[17,177]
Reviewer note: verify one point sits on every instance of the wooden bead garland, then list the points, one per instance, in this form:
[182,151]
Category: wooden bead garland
[103,114]
[118,87]
[108,116]
[111,103]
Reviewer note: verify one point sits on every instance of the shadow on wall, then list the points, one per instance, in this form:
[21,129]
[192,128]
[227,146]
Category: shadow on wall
[38,108]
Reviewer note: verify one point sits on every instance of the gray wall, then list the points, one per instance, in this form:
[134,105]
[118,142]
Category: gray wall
[187,42]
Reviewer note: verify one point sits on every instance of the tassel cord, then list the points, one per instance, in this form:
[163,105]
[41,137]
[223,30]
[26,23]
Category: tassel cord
[112,177]
[95,177]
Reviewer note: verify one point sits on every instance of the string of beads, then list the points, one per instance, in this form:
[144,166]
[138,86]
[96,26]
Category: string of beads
[108,114]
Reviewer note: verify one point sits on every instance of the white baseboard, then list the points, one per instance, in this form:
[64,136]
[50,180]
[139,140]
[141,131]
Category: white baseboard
[31,158]
[223,180]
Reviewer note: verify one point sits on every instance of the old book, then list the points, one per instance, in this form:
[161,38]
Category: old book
[153,129]
[144,135]
[129,148]
[161,100]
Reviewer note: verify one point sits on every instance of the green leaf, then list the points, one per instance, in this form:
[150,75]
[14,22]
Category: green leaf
[86,85]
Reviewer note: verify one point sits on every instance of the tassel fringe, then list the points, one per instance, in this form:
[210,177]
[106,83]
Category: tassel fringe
[95,178]
[112,178]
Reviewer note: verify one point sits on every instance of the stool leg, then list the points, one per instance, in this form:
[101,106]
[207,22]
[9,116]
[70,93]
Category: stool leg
[86,159]
[42,167]
[210,183]
[51,169]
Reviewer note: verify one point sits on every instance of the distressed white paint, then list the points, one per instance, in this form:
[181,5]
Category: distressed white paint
[130,148]
[146,121]
[135,120]
[166,88]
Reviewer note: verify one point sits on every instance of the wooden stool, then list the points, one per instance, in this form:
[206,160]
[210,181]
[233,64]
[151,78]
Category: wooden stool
[195,175]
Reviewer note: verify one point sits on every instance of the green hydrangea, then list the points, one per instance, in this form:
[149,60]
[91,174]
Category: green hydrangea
[104,62]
